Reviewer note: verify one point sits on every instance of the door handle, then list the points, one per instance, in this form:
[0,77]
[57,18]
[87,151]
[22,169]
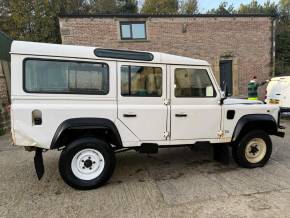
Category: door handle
[129,115]
[181,115]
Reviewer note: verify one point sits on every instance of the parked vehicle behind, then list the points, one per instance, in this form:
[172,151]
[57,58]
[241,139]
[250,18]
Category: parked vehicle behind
[278,92]
[91,103]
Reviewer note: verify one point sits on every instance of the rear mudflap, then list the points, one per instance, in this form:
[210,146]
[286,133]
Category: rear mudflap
[221,153]
[38,163]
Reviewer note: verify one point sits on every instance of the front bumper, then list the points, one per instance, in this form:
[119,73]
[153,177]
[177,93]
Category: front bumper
[280,134]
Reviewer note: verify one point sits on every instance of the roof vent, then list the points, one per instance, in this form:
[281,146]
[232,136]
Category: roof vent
[123,54]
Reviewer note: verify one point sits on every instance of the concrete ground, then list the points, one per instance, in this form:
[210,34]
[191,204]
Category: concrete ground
[175,183]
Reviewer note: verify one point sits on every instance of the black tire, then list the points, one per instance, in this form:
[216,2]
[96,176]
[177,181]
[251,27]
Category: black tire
[67,155]
[239,149]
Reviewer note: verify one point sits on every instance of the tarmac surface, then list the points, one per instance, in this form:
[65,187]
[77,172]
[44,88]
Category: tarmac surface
[177,182]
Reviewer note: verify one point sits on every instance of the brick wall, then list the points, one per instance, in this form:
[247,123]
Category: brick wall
[245,40]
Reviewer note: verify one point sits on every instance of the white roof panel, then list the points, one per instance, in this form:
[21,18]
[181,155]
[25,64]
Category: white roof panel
[74,51]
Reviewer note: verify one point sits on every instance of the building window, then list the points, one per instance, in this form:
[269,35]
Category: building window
[133,30]
[67,77]
[141,81]
[193,83]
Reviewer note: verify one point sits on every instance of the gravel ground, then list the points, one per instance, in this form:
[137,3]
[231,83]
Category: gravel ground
[175,183]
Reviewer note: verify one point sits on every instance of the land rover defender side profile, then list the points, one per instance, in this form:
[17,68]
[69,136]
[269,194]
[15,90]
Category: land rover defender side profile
[91,103]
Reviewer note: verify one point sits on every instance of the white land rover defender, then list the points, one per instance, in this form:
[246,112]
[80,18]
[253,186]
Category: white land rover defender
[91,103]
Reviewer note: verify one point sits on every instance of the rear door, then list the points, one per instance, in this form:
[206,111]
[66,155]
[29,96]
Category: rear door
[141,97]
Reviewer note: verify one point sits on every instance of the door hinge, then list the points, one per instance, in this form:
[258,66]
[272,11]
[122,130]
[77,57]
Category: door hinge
[166,102]
[166,135]
[220,133]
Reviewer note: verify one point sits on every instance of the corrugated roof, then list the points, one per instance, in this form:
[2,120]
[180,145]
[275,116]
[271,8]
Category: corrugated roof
[80,15]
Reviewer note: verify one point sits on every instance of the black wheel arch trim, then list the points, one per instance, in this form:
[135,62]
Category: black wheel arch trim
[85,123]
[250,118]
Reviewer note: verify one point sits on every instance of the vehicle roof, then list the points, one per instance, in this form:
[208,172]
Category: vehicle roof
[281,78]
[84,52]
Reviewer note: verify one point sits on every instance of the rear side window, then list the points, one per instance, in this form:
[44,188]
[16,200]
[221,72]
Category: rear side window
[190,83]
[67,77]
[141,81]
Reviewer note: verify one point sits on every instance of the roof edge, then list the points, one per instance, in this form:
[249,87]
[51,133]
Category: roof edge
[80,15]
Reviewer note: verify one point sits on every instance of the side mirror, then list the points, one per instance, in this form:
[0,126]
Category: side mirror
[226,91]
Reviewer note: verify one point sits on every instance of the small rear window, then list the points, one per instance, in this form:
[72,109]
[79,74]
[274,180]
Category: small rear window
[65,77]
[122,54]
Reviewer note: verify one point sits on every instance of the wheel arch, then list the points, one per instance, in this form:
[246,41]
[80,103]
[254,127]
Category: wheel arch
[72,129]
[249,122]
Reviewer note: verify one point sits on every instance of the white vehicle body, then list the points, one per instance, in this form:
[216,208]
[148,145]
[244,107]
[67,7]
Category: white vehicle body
[278,92]
[155,121]
[181,104]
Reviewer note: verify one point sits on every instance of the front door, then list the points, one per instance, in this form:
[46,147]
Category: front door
[141,99]
[195,109]
[226,75]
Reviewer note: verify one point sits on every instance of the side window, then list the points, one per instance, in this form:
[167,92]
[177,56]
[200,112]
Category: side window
[68,77]
[141,81]
[193,83]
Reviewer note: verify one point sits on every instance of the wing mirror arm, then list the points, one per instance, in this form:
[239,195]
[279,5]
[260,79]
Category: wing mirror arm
[223,98]
[224,94]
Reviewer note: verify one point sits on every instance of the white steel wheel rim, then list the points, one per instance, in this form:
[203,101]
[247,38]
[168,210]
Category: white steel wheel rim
[255,150]
[88,164]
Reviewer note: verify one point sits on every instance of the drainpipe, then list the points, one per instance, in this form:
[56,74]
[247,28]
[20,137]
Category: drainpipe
[274,46]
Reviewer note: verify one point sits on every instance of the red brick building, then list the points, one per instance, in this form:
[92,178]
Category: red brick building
[237,46]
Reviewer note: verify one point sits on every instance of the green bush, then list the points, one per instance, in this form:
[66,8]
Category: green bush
[2,131]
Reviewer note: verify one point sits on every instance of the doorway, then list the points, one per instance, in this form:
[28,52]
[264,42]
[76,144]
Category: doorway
[226,75]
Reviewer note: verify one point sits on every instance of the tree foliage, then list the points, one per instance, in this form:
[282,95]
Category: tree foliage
[128,7]
[37,20]
[223,9]
[160,7]
[255,8]
[33,20]
[283,39]
[284,7]
[188,7]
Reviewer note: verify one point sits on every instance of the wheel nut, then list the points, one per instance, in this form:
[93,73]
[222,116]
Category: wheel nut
[94,162]
[90,168]
[83,161]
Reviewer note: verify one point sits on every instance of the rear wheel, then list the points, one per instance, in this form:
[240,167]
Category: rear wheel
[253,150]
[87,163]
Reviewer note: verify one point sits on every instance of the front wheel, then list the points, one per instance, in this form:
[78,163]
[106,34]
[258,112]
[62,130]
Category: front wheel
[253,150]
[87,163]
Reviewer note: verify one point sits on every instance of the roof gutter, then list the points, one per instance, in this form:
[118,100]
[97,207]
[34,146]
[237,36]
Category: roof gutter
[80,15]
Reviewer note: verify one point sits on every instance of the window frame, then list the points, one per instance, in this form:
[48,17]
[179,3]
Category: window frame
[66,93]
[131,32]
[129,85]
[198,97]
